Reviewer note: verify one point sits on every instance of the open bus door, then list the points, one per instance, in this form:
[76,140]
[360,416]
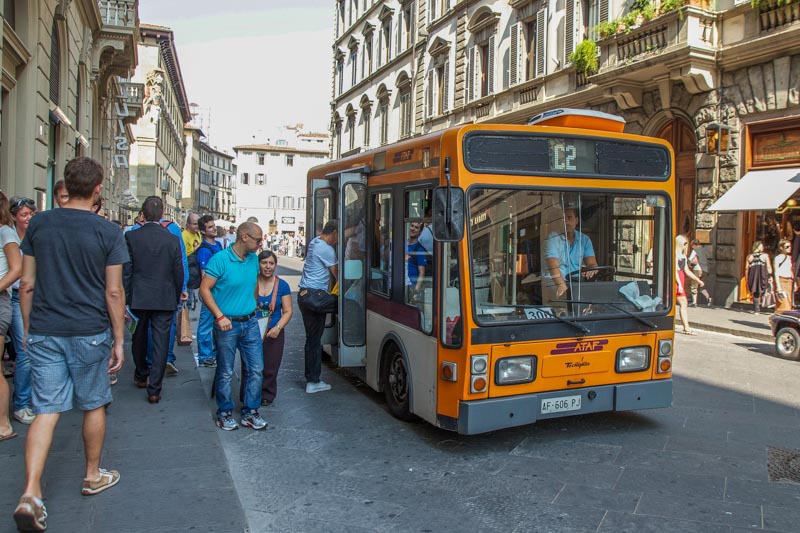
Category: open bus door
[351,252]
[343,196]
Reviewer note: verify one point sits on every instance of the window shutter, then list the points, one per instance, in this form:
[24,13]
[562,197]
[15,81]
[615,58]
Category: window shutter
[541,42]
[400,26]
[476,75]
[471,74]
[490,67]
[429,94]
[445,86]
[431,10]
[379,50]
[513,63]
[364,73]
[569,31]
[604,8]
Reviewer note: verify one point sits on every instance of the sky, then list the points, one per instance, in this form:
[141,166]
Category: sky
[257,64]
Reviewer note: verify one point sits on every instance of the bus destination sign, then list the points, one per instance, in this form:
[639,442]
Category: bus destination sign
[543,155]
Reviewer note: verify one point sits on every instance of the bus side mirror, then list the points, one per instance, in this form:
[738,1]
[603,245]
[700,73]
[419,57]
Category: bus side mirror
[448,214]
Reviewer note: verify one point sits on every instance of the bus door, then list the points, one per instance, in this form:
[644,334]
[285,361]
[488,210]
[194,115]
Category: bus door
[352,268]
[324,194]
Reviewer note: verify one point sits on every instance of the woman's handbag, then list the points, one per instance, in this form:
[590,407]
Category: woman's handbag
[768,299]
[266,314]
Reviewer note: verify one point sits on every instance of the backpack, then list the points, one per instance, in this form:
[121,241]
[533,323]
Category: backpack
[194,267]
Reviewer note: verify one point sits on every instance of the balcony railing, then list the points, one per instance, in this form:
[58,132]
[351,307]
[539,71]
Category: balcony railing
[773,16]
[648,40]
[132,93]
[118,13]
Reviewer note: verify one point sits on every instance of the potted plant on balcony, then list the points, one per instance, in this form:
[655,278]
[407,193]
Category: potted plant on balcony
[606,29]
[584,58]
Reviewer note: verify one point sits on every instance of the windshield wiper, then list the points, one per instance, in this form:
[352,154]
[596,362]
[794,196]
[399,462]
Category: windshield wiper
[575,325]
[616,306]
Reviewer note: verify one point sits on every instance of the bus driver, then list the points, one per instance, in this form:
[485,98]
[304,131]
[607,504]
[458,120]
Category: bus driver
[567,252]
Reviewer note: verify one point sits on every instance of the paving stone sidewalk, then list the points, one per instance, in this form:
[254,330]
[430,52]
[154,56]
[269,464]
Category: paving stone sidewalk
[175,476]
[739,322]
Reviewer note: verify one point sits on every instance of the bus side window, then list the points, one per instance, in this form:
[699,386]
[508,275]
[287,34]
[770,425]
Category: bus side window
[452,323]
[380,270]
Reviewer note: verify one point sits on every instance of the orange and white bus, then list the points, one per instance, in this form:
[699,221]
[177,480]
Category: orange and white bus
[492,275]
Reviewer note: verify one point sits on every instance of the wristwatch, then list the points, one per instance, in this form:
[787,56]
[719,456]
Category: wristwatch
[278,326]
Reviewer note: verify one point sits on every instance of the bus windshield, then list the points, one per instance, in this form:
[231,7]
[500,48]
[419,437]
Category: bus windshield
[552,255]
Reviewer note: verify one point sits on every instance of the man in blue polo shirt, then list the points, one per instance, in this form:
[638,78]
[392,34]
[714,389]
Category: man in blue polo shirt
[567,252]
[228,289]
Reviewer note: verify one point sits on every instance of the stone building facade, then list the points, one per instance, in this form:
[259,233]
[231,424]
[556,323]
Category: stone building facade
[66,92]
[671,70]
[158,151]
[271,180]
[221,183]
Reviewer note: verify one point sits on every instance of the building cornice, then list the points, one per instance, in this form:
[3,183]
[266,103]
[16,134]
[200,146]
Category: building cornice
[166,41]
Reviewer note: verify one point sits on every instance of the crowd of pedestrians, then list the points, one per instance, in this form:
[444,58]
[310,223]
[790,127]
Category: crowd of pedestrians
[70,281]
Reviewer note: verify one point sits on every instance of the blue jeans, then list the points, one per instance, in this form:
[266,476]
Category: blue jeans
[170,347]
[22,367]
[205,340]
[246,337]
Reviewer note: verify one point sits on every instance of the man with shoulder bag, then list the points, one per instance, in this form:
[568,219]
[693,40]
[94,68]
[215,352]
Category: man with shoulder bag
[315,301]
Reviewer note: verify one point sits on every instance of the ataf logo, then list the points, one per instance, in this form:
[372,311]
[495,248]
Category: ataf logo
[579,347]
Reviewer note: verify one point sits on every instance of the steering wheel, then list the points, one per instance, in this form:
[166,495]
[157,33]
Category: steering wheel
[604,273]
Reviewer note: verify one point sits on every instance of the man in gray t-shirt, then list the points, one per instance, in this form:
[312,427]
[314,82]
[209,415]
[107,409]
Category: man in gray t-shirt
[70,293]
[320,266]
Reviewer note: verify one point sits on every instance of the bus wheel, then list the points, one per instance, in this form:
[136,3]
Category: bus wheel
[396,386]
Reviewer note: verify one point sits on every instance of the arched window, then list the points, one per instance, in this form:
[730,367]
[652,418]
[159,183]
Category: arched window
[406,105]
[366,119]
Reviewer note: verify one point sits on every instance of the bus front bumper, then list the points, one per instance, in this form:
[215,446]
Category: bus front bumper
[481,416]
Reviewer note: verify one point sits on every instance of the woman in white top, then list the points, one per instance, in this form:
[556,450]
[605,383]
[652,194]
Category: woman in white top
[782,270]
[10,271]
[21,209]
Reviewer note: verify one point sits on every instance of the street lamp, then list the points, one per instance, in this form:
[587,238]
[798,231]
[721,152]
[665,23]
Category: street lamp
[717,138]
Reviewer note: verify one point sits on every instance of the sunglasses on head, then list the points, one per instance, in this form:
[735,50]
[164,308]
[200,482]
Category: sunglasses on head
[23,202]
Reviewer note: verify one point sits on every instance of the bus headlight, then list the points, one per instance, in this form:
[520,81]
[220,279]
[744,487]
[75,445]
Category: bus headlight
[633,359]
[513,370]
[665,348]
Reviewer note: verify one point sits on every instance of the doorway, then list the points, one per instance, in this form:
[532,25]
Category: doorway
[681,136]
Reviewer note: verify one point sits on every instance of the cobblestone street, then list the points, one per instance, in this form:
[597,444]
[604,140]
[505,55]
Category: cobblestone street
[338,461]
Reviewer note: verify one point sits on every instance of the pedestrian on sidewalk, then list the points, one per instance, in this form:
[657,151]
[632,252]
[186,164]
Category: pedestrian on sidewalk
[229,291]
[320,268]
[22,210]
[274,302]
[682,272]
[153,279]
[758,273]
[206,353]
[782,269]
[60,194]
[10,270]
[698,261]
[75,329]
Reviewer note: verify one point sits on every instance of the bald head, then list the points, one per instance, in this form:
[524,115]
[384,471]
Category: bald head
[191,222]
[250,229]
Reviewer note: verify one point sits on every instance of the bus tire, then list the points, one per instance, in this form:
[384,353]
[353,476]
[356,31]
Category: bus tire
[396,386]
[787,343]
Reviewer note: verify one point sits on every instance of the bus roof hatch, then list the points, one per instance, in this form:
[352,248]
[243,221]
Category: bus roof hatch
[579,118]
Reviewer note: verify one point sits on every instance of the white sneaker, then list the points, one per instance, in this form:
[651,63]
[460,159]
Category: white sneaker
[26,415]
[320,386]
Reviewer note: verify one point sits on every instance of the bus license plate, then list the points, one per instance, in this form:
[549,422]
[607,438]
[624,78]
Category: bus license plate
[560,405]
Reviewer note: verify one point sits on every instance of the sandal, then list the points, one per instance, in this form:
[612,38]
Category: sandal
[688,332]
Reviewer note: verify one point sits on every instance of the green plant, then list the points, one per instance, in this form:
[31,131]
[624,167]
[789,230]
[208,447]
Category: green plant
[604,29]
[629,20]
[649,12]
[672,5]
[585,57]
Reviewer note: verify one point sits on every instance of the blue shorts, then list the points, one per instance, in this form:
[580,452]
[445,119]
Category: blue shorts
[67,367]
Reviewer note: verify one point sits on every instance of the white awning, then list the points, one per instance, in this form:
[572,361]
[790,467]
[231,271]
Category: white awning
[760,190]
